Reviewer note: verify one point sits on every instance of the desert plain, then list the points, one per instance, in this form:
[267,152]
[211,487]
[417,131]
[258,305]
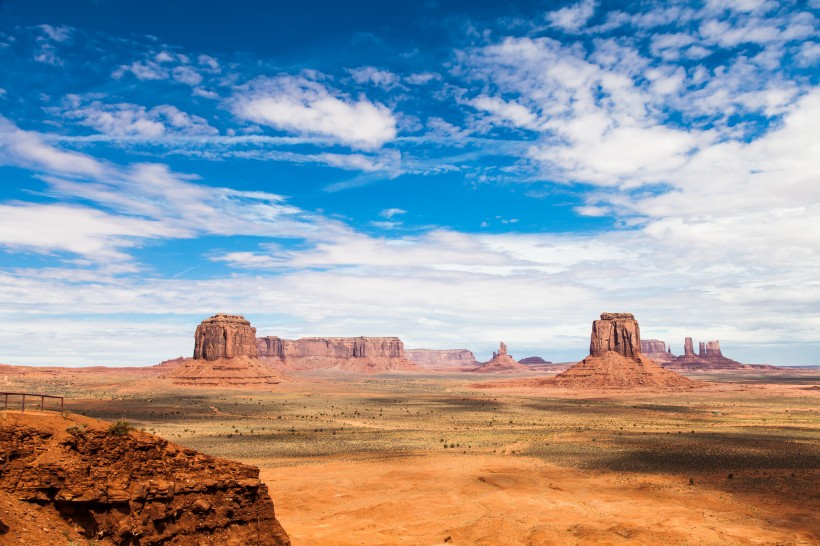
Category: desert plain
[436,458]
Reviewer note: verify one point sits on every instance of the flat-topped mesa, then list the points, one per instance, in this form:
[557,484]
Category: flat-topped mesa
[349,353]
[442,358]
[224,336]
[616,332]
[653,346]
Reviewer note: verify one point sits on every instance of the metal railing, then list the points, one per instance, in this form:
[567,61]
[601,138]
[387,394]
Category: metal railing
[23,395]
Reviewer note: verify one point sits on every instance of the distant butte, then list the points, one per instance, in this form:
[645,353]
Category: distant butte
[501,362]
[615,360]
[355,354]
[225,354]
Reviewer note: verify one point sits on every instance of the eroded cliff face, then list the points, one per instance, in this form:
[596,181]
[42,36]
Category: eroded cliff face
[133,489]
[616,332]
[653,346]
[348,353]
[225,354]
[224,336]
[445,358]
[615,360]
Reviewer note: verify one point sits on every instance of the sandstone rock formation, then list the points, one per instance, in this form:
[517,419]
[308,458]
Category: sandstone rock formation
[360,354]
[442,359]
[656,350]
[708,358]
[533,360]
[616,361]
[225,354]
[132,489]
[688,347]
[652,346]
[501,362]
[224,336]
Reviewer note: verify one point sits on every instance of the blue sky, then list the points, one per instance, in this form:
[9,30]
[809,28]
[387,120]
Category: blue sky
[454,173]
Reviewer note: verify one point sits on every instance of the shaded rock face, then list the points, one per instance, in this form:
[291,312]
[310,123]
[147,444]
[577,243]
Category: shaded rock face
[349,353]
[431,358]
[137,488]
[616,361]
[616,332]
[224,336]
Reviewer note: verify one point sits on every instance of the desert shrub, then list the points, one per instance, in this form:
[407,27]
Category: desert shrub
[66,414]
[78,431]
[119,428]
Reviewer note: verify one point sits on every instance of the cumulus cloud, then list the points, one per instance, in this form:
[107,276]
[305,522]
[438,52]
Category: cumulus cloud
[127,120]
[307,107]
[572,18]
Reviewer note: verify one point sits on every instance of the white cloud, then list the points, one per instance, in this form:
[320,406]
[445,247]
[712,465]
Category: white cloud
[307,107]
[375,76]
[390,213]
[123,119]
[572,18]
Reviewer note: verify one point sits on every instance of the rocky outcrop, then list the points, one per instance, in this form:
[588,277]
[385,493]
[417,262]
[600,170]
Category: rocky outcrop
[615,332]
[134,488]
[225,354]
[442,359]
[688,347]
[530,360]
[501,362]
[708,358]
[616,361]
[653,346]
[224,336]
[656,350]
[363,354]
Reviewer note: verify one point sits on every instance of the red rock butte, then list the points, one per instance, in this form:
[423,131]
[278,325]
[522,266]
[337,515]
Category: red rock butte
[502,362]
[225,354]
[615,360]
[355,354]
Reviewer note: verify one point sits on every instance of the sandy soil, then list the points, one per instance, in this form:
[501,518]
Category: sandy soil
[514,500]
[466,459]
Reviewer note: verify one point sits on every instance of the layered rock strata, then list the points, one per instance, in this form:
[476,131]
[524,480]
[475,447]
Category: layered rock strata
[615,360]
[656,350]
[134,488]
[501,362]
[442,359]
[224,336]
[225,354]
[363,354]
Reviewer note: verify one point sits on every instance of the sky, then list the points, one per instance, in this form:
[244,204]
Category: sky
[454,173]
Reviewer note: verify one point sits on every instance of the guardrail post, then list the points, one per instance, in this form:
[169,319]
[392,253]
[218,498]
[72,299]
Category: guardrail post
[23,408]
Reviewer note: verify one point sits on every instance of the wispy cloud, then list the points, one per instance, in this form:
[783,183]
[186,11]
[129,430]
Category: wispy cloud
[307,107]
